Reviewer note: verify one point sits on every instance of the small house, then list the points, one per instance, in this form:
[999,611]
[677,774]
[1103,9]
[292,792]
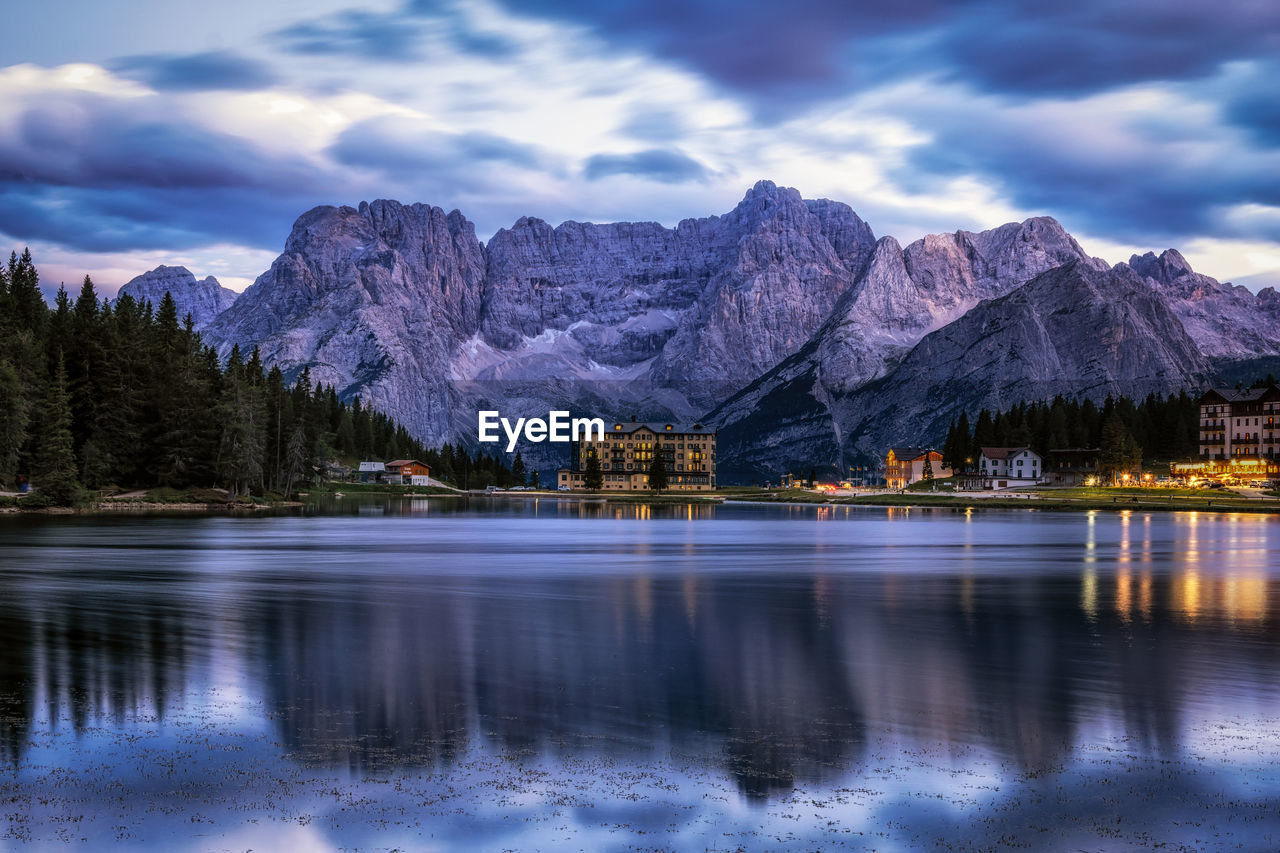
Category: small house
[402,472]
[1010,467]
[1073,466]
[372,472]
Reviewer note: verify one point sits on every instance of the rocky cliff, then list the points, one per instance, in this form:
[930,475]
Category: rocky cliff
[405,307]
[1080,329]
[373,301]
[203,300]
[1225,321]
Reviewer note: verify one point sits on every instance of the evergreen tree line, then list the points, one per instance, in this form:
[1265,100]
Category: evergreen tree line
[97,393]
[1162,428]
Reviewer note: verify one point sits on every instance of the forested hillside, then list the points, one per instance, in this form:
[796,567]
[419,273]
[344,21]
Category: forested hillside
[1155,429]
[97,394]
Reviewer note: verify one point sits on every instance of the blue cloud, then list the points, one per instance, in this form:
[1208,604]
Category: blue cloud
[666,166]
[209,71]
[1255,105]
[367,35]
[402,149]
[401,35]
[1151,183]
[100,175]
[790,54]
[655,125]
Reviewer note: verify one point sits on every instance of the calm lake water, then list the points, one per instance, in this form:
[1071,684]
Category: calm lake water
[515,674]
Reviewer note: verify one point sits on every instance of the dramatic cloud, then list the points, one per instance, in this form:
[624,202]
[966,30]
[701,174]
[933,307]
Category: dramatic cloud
[1147,163]
[1140,125]
[669,167]
[398,146]
[404,34]
[807,49]
[210,71]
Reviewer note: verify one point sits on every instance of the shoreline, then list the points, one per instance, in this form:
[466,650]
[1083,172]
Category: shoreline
[1040,503]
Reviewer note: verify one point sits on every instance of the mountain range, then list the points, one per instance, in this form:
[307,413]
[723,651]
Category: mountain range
[785,322]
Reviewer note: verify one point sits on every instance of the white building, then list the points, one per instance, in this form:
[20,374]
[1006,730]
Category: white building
[1010,467]
[372,471]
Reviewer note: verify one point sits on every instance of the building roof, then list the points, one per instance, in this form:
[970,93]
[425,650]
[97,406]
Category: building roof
[400,463]
[910,454]
[659,427]
[1003,452]
[1241,395]
[372,466]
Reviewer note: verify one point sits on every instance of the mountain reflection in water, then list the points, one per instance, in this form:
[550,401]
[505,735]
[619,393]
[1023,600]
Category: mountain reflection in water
[783,647]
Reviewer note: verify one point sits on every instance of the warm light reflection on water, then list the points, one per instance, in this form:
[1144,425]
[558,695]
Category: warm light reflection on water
[535,673]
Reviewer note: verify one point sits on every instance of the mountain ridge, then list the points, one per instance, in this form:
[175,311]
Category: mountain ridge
[718,318]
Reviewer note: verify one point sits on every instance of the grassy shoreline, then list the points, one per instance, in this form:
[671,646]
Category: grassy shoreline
[1115,500]
[213,501]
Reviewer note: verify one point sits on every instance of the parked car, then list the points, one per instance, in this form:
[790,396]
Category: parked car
[492,489]
[563,489]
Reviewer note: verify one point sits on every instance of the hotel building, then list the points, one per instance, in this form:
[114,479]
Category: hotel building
[688,454]
[1239,435]
[905,465]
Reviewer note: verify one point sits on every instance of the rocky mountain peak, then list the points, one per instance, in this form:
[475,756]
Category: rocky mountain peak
[1166,268]
[203,300]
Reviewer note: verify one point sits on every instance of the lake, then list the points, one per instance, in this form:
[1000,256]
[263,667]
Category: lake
[521,674]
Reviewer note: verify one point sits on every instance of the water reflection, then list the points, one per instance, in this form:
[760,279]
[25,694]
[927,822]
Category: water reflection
[788,660]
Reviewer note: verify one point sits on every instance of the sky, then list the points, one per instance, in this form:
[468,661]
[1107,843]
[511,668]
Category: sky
[143,132]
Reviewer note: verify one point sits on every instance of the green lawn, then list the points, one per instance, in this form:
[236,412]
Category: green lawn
[375,489]
[1106,493]
[939,484]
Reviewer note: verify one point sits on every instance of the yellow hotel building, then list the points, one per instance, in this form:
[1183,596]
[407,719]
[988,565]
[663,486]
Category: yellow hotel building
[688,454]
[1239,436]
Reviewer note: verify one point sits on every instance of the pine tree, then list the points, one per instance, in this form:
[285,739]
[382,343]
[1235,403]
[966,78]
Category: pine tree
[927,473]
[25,302]
[657,473]
[1120,453]
[15,415]
[964,453]
[949,448]
[296,459]
[55,464]
[984,432]
[517,469]
[592,477]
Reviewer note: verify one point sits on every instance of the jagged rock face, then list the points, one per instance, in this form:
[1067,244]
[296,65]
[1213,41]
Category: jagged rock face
[1226,321]
[373,301]
[203,300]
[681,317]
[900,296]
[773,288]
[404,307]
[1078,328]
